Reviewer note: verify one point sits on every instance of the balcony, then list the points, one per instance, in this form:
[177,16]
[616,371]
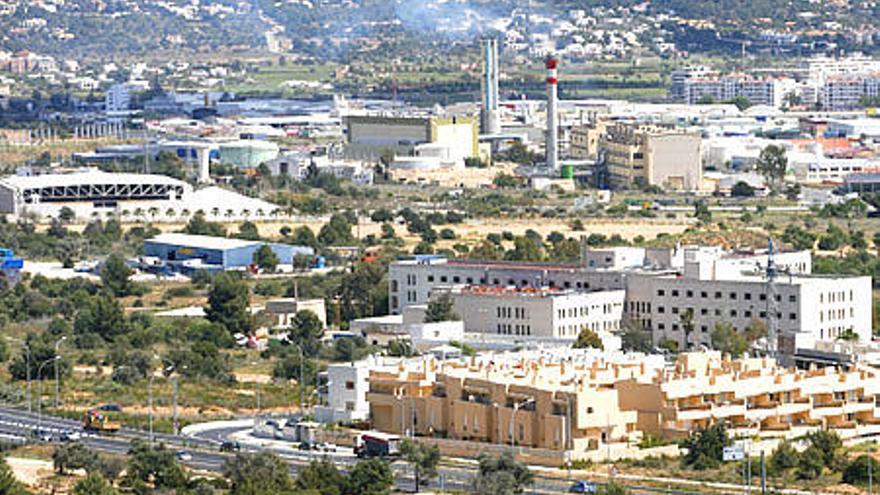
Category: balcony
[833,403]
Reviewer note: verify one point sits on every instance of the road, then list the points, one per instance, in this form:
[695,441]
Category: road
[206,456]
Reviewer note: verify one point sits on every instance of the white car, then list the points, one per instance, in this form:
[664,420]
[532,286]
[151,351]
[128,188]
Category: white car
[184,456]
[71,436]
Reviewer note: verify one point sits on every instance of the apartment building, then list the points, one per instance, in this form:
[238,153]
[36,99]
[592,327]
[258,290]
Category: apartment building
[412,281]
[759,91]
[585,139]
[586,405]
[803,309]
[753,396]
[679,78]
[537,313]
[648,154]
[559,400]
[841,92]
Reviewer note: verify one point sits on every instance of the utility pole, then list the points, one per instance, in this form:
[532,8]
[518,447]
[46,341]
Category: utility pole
[57,380]
[763,475]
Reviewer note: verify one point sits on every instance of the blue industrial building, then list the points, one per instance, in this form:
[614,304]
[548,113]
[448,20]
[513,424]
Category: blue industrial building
[187,253]
[10,265]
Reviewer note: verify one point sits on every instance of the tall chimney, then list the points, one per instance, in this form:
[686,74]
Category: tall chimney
[489,117]
[552,140]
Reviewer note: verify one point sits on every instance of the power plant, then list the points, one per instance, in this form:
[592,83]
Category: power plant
[490,120]
[552,142]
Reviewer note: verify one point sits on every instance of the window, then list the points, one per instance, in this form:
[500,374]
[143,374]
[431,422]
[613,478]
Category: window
[456,279]
[661,326]
[792,298]
[717,295]
[661,309]
[792,316]
[733,312]
[675,311]
[762,297]
[704,328]
[733,296]
[717,312]
[690,293]
[748,296]
[349,385]
[661,292]
[430,278]
[675,293]
[443,278]
[470,280]
[704,311]
[704,294]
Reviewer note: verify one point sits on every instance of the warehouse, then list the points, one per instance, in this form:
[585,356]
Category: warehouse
[189,253]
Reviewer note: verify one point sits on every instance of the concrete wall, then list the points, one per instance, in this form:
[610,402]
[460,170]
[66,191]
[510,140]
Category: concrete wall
[674,161]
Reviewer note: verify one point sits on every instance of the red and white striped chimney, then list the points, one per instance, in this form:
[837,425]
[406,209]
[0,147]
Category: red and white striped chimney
[552,140]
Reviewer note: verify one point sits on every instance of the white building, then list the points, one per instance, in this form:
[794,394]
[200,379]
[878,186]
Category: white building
[117,99]
[283,311]
[804,309]
[759,91]
[537,314]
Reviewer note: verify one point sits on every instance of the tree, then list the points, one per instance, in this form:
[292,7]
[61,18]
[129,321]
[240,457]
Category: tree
[198,225]
[423,458]
[687,325]
[336,232]
[635,338]
[370,477]
[501,475]
[772,163]
[154,465]
[828,444]
[441,308]
[260,473]
[306,331]
[228,301]
[701,211]
[73,456]
[8,484]
[784,457]
[741,102]
[742,189]
[526,249]
[588,339]
[303,236]
[115,275]
[705,447]
[66,215]
[249,231]
[93,484]
[725,338]
[102,317]
[322,477]
[810,464]
[266,259]
[613,488]
[856,472]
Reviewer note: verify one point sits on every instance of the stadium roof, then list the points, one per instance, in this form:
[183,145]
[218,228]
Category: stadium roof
[87,177]
[201,241]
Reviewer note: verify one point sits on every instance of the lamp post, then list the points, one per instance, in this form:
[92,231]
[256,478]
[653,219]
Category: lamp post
[516,406]
[40,390]
[57,380]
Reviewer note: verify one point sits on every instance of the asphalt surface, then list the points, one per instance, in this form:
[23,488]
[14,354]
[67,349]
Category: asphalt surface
[204,449]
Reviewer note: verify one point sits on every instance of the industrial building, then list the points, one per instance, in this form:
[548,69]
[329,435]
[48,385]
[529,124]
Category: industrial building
[190,253]
[85,192]
[418,142]
[649,154]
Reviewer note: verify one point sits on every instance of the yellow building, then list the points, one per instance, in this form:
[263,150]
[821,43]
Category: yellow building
[649,154]
[584,141]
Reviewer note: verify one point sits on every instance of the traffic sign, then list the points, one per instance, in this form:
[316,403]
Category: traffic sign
[733,453]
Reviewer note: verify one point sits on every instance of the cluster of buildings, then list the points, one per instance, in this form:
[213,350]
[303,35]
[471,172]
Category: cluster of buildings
[555,405]
[653,288]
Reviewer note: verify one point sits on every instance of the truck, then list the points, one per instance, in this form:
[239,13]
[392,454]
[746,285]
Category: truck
[376,444]
[99,422]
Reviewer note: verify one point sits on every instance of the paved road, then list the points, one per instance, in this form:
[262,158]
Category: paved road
[206,456]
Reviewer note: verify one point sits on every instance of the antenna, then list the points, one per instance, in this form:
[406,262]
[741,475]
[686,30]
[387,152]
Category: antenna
[771,294]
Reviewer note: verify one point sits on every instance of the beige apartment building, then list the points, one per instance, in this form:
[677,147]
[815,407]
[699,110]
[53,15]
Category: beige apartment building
[650,154]
[582,405]
[753,396]
[584,142]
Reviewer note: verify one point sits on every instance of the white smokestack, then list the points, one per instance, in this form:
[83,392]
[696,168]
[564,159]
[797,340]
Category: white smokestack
[490,120]
[204,156]
[552,140]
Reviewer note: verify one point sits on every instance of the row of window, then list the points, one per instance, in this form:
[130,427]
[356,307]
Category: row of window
[746,296]
[733,313]
[509,329]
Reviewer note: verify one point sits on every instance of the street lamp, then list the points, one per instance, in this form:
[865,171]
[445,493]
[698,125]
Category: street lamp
[516,406]
[57,381]
[40,390]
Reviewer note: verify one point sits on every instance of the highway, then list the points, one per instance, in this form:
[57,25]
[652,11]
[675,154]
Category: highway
[206,456]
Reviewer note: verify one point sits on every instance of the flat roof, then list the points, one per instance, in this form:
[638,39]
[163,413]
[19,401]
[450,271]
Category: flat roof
[201,241]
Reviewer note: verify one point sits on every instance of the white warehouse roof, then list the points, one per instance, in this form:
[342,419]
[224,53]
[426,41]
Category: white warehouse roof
[201,241]
[87,177]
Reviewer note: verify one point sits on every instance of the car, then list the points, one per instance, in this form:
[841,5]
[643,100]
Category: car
[230,446]
[582,487]
[110,407]
[325,447]
[307,446]
[70,436]
[42,435]
[184,456]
